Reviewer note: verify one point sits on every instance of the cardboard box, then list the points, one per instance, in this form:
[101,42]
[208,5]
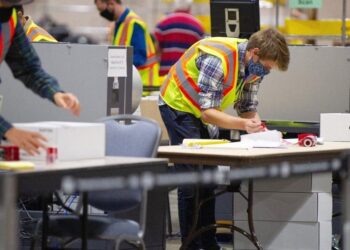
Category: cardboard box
[296,207]
[73,140]
[149,108]
[335,126]
[319,182]
[287,235]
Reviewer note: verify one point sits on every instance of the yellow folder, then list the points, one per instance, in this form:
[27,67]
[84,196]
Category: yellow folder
[202,142]
[16,165]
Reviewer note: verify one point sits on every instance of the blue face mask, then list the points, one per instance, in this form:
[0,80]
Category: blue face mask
[257,68]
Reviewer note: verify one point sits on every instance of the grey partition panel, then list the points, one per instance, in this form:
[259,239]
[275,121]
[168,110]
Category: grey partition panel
[318,81]
[80,69]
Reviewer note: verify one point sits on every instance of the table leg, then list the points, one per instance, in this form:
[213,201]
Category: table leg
[8,213]
[84,222]
[194,233]
[251,217]
[346,199]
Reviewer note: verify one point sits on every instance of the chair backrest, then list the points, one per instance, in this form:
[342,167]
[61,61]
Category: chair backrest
[126,135]
[130,135]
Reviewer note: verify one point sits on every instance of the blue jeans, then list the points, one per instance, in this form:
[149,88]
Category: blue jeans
[182,125]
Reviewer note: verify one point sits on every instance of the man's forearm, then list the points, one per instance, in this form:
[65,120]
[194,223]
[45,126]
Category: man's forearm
[223,120]
[250,115]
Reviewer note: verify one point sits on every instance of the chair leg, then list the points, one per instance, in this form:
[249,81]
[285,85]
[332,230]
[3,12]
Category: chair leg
[84,222]
[168,218]
[32,243]
[140,244]
[36,235]
[45,222]
[118,242]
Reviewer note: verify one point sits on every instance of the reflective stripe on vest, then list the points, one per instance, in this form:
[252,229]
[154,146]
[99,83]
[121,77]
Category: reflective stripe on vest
[229,54]
[7,32]
[149,70]
[38,34]
[181,91]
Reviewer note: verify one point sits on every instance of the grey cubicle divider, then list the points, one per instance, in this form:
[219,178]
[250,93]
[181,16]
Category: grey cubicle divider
[317,81]
[80,69]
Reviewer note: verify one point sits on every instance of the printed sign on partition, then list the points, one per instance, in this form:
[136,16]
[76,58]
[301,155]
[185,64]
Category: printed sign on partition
[117,64]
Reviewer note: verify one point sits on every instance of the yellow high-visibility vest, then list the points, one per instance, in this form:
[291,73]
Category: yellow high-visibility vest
[37,34]
[180,89]
[149,70]
[7,33]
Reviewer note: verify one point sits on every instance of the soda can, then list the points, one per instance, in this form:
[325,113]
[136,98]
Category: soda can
[51,155]
[9,153]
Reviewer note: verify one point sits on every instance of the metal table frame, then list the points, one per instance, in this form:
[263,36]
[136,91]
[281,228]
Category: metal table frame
[272,163]
[45,179]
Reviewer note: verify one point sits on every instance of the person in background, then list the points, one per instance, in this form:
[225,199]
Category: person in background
[131,30]
[212,75]
[34,32]
[25,65]
[175,33]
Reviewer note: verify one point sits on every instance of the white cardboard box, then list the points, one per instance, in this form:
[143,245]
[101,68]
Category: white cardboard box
[335,126]
[73,140]
[287,235]
[296,207]
[319,182]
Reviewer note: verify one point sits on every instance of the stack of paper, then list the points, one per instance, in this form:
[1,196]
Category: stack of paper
[232,145]
[266,139]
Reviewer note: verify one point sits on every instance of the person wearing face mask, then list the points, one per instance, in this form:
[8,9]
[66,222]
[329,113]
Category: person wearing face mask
[20,56]
[131,30]
[212,75]
[34,32]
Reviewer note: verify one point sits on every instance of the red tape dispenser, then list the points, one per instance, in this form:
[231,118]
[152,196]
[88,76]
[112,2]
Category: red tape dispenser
[307,140]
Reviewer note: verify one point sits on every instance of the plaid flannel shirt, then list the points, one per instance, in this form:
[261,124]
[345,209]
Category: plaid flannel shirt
[25,66]
[210,82]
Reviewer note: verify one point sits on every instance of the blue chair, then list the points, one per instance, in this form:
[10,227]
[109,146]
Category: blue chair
[126,135]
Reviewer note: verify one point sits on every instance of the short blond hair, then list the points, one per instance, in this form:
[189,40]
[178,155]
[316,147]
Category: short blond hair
[272,46]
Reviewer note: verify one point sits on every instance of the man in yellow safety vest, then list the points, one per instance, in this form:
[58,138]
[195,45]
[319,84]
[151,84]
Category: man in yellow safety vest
[131,30]
[34,32]
[212,75]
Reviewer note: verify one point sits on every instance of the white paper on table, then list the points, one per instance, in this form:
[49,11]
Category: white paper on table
[266,139]
[231,145]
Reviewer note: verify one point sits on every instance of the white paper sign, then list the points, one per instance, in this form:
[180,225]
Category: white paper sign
[117,66]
